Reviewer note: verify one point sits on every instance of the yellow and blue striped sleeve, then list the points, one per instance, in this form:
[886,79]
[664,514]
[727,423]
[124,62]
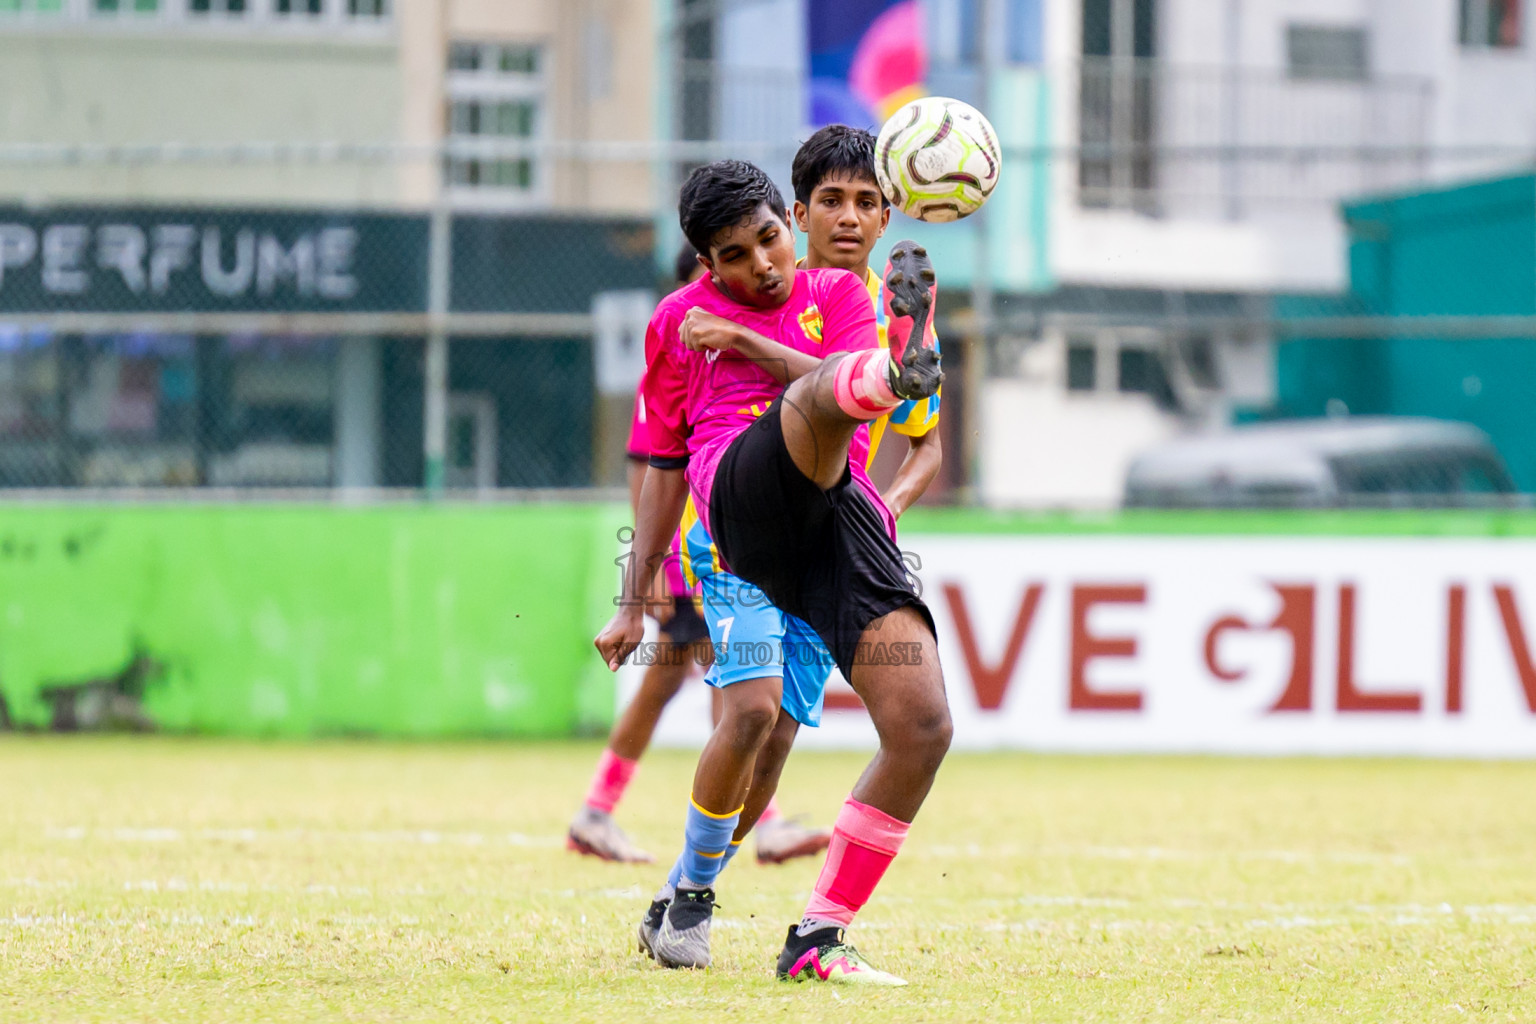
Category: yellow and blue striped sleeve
[700,557]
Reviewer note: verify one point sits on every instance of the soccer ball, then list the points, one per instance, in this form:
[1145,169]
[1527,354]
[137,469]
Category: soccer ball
[937,159]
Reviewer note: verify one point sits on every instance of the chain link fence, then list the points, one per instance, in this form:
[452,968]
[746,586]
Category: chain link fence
[282,336]
[309,326]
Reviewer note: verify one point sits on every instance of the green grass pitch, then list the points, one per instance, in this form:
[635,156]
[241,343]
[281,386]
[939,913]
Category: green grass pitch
[201,880]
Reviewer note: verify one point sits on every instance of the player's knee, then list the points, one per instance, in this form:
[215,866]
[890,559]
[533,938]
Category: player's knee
[819,379]
[665,678]
[934,731]
[749,719]
[925,734]
[776,749]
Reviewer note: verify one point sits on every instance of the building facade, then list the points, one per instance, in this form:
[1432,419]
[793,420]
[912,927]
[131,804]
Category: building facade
[1173,168]
[154,154]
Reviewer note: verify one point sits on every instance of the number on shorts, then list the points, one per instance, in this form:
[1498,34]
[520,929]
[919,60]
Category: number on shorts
[724,625]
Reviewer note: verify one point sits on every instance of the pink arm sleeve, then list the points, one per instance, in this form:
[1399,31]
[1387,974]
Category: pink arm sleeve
[666,395]
[639,445]
[676,583]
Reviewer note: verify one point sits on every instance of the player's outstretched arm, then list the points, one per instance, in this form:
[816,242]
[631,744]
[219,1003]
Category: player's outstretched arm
[922,464]
[702,330]
[662,496]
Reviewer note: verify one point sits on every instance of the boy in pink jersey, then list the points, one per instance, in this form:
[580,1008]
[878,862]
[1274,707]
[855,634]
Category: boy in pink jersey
[683,644]
[839,205]
[770,472]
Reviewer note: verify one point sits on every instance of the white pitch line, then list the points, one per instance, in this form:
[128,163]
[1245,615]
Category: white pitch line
[971,851]
[415,837]
[1513,913]
[1280,917]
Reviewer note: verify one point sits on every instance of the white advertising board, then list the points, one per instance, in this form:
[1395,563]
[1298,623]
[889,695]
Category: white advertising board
[1236,645]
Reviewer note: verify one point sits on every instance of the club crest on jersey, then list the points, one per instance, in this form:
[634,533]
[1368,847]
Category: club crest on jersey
[810,323]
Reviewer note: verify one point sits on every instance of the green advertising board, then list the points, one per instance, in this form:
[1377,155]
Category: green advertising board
[407,619]
[292,620]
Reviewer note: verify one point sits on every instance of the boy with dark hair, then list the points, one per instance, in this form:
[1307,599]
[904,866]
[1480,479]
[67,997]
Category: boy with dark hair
[839,206]
[777,486]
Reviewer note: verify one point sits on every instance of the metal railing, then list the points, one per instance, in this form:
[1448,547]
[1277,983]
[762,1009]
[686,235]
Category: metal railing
[457,347]
[1182,141]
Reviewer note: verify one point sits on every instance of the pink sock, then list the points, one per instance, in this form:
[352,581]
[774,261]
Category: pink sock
[609,781]
[862,386]
[864,842]
[770,812]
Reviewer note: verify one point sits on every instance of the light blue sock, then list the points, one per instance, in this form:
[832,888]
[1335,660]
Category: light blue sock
[730,853]
[706,844]
[673,877]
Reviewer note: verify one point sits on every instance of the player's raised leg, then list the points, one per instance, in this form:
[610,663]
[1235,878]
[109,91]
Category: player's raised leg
[824,408]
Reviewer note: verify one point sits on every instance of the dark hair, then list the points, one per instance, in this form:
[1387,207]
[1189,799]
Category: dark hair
[687,262]
[835,149]
[721,195]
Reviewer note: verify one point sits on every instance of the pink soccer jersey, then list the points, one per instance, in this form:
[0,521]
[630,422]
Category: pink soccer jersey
[698,402]
[639,445]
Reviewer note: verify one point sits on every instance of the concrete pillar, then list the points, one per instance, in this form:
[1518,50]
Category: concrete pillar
[359,413]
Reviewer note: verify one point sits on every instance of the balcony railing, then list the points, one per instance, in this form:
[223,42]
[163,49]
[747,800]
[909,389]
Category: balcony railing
[1191,141]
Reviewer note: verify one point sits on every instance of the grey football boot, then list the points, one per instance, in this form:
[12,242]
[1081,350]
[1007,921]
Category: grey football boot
[650,924]
[597,835]
[683,939]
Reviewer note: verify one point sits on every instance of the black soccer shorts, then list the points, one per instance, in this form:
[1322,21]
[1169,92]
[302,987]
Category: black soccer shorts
[686,624]
[823,556]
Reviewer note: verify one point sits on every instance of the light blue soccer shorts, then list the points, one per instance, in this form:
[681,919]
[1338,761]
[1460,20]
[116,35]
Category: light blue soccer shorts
[754,640]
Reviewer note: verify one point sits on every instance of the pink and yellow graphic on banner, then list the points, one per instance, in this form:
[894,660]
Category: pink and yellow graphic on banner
[867,58]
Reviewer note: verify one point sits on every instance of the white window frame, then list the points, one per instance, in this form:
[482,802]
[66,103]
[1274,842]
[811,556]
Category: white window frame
[218,10]
[125,12]
[31,15]
[328,11]
[1481,21]
[334,16]
[491,85]
[1107,343]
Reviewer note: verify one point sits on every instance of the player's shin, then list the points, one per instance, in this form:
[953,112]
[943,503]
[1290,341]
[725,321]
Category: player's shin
[706,841]
[861,384]
[609,780]
[864,842]
[678,936]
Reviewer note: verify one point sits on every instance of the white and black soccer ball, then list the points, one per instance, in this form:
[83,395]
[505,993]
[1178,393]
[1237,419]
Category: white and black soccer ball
[937,159]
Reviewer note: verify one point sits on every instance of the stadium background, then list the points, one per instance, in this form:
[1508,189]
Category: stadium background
[318,333]
[319,321]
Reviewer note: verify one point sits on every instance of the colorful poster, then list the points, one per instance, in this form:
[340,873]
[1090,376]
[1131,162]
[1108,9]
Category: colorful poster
[867,58]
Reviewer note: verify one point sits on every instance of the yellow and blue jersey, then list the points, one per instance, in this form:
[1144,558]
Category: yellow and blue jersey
[911,418]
